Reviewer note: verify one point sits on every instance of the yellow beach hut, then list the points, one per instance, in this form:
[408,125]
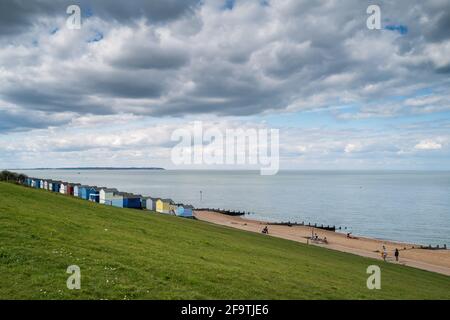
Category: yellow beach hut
[164,206]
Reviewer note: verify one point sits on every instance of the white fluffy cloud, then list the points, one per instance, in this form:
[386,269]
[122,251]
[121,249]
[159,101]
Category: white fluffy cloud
[428,145]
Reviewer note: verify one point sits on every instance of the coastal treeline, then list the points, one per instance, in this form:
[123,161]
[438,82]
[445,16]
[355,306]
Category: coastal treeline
[14,177]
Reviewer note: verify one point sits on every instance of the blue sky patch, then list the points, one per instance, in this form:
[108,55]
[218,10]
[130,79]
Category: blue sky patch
[97,37]
[397,27]
[229,4]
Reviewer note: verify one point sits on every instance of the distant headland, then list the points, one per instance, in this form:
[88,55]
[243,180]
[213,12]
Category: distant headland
[95,168]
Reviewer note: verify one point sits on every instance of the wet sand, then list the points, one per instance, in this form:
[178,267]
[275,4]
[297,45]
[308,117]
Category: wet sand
[431,260]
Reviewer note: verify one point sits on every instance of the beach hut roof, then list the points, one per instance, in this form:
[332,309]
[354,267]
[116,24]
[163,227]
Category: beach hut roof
[130,195]
[109,189]
[186,206]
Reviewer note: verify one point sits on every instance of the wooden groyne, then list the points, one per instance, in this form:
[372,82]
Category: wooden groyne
[430,247]
[223,211]
[289,224]
[315,225]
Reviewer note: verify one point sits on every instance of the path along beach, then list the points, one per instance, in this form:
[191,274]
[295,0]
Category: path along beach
[431,260]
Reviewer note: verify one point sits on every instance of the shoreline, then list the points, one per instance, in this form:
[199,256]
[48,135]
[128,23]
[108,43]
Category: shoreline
[410,255]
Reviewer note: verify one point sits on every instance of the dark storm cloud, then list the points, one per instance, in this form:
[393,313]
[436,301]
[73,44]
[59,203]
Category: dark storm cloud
[24,120]
[129,11]
[138,56]
[16,16]
[440,30]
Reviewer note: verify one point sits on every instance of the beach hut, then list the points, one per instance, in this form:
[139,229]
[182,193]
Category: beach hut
[165,206]
[41,184]
[94,197]
[116,200]
[37,183]
[56,186]
[149,203]
[86,191]
[106,195]
[77,190]
[69,189]
[63,187]
[125,200]
[45,184]
[185,211]
[49,185]
[132,201]
[82,193]
[66,188]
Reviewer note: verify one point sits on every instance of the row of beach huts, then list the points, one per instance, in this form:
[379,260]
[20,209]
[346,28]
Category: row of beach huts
[112,197]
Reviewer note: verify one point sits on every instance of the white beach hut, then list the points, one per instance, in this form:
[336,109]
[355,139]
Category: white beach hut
[150,203]
[107,195]
[77,190]
[63,188]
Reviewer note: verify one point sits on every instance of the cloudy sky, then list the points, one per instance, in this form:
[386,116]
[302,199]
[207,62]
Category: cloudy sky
[113,92]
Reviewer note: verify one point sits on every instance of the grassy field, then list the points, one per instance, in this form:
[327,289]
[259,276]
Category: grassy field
[131,254]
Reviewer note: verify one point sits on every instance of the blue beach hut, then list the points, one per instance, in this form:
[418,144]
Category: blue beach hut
[116,200]
[132,201]
[37,183]
[77,190]
[34,183]
[56,186]
[125,200]
[94,194]
[185,211]
[86,192]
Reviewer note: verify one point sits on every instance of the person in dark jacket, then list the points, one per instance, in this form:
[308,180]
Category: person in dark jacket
[396,254]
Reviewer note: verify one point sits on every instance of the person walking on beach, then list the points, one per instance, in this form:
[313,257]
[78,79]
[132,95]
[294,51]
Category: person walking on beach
[397,253]
[384,253]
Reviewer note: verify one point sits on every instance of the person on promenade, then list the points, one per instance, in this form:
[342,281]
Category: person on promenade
[397,253]
[384,253]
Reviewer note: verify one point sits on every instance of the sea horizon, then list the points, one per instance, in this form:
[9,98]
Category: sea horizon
[228,169]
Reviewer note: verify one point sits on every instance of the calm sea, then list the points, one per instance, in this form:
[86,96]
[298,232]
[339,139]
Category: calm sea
[406,206]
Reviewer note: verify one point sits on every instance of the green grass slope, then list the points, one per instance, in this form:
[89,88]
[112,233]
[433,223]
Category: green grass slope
[131,254]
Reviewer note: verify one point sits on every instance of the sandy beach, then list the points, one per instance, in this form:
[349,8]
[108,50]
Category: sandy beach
[431,260]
